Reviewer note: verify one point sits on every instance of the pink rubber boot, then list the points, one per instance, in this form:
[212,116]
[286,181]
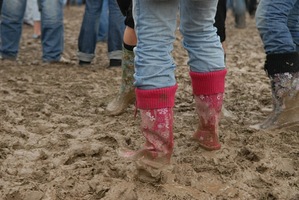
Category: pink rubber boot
[208,89]
[156,109]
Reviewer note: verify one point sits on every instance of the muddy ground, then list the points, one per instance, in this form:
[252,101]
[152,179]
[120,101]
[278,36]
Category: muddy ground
[57,142]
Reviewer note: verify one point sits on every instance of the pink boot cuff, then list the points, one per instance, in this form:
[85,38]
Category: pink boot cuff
[208,83]
[156,98]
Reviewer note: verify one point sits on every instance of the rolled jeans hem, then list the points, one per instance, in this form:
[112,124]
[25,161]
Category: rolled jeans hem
[115,54]
[86,57]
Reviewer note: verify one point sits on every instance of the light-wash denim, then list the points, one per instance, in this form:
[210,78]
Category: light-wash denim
[155,26]
[51,23]
[36,13]
[32,12]
[90,29]
[278,25]
[238,6]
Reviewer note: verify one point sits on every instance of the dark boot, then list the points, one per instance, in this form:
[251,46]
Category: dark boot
[208,90]
[126,94]
[283,71]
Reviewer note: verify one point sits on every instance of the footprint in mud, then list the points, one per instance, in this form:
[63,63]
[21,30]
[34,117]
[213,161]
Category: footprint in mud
[249,155]
[82,151]
[121,191]
[29,195]
[13,196]
[296,197]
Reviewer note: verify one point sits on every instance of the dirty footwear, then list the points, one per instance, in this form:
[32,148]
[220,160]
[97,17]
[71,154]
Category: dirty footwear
[126,94]
[156,111]
[208,90]
[283,71]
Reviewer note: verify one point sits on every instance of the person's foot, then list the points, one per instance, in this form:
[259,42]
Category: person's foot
[114,63]
[84,63]
[62,60]
[9,58]
[36,36]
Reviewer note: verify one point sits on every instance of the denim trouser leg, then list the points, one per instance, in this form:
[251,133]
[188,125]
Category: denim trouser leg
[239,7]
[116,31]
[52,29]
[36,12]
[293,24]
[11,27]
[155,25]
[103,27]
[28,16]
[277,22]
[1,1]
[200,37]
[89,30]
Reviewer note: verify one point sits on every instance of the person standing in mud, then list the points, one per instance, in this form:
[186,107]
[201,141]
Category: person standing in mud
[89,33]
[126,94]
[277,22]
[51,27]
[155,25]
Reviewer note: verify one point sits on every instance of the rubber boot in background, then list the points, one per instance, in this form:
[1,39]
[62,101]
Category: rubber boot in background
[156,110]
[283,71]
[126,94]
[208,90]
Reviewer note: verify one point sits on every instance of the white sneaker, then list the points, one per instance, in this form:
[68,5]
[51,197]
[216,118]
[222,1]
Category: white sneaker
[62,60]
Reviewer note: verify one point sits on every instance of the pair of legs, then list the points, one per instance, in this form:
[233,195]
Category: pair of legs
[125,96]
[155,25]
[90,27]
[32,10]
[278,25]
[51,28]
[36,21]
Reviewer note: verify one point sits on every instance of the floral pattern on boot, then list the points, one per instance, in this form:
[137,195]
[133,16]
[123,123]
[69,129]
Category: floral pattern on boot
[208,108]
[156,126]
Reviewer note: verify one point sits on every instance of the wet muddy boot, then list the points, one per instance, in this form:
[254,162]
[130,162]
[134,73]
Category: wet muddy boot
[283,71]
[126,94]
[156,110]
[208,90]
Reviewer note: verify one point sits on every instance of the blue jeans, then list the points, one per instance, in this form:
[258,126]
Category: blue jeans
[1,1]
[78,2]
[238,6]
[278,25]
[104,23]
[115,31]
[90,28]
[155,25]
[52,28]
